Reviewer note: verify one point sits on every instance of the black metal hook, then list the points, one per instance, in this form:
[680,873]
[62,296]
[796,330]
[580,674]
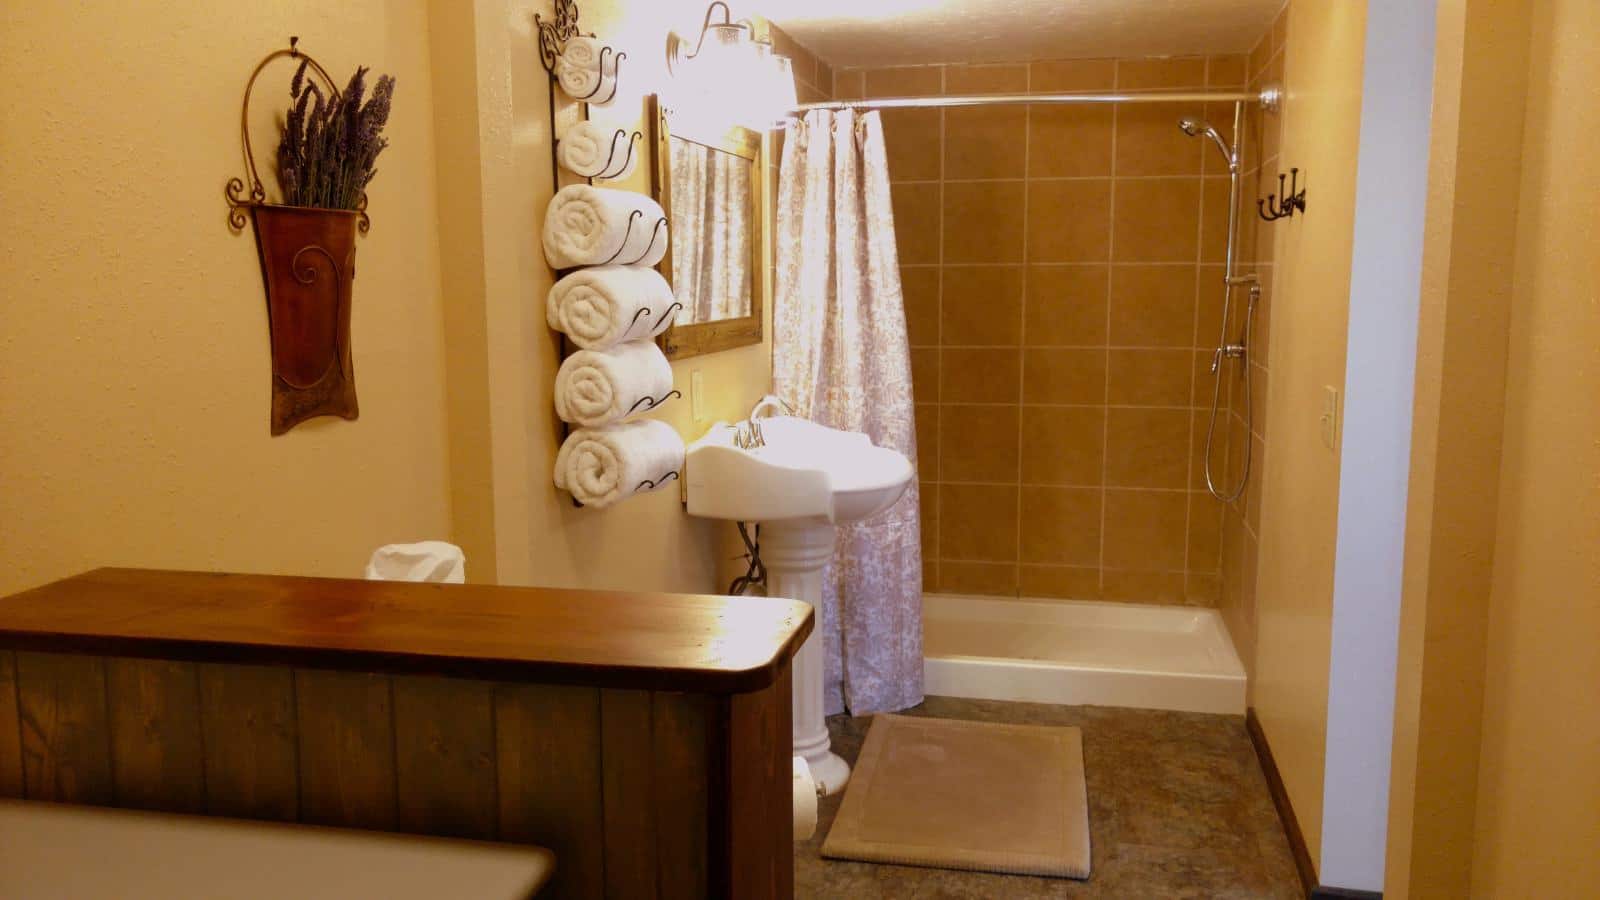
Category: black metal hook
[643,311]
[652,401]
[606,171]
[1293,199]
[617,56]
[626,233]
[669,311]
[650,246]
[647,484]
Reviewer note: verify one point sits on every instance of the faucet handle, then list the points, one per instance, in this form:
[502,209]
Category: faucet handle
[770,401]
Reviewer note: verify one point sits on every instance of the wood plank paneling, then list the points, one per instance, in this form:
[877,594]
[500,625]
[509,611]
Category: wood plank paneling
[761,829]
[630,809]
[444,756]
[66,740]
[10,728]
[346,734]
[680,759]
[247,720]
[548,753]
[158,759]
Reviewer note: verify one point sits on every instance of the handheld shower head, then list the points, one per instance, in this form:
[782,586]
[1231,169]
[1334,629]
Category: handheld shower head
[1194,127]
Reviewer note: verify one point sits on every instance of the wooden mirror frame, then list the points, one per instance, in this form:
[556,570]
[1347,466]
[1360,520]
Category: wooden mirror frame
[680,341]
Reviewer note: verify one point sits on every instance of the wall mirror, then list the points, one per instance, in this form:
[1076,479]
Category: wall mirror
[710,186]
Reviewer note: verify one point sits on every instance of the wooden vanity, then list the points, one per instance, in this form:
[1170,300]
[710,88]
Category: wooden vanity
[644,738]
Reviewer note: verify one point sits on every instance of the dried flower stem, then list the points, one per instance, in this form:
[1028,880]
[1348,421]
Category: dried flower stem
[329,149]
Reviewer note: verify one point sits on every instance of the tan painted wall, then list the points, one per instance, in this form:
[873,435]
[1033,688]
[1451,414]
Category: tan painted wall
[1538,820]
[1480,83]
[1300,478]
[133,332]
[494,171]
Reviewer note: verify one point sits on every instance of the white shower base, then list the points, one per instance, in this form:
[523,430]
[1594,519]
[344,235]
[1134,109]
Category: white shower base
[1079,652]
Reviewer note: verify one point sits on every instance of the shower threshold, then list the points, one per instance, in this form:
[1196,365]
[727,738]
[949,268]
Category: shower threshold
[1080,652]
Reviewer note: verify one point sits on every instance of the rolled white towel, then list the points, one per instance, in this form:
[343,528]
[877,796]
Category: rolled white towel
[590,226]
[597,387]
[593,150]
[592,85]
[583,52]
[599,466]
[603,306]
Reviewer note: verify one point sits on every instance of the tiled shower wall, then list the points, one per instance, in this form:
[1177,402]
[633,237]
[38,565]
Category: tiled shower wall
[1062,276]
[1242,520]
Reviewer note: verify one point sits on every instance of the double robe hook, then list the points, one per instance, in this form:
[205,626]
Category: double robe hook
[1293,199]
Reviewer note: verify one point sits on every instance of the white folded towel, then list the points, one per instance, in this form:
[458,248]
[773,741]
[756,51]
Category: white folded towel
[603,465]
[423,561]
[594,150]
[590,226]
[603,306]
[583,52]
[596,387]
[592,85]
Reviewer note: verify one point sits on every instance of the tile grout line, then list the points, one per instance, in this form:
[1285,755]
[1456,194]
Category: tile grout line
[938,545]
[1199,260]
[1022,329]
[1105,387]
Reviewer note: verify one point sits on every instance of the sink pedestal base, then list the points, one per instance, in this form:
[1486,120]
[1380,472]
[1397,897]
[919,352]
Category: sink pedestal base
[795,554]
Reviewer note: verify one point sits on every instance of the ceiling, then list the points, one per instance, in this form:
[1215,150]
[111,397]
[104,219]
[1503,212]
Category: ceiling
[910,32]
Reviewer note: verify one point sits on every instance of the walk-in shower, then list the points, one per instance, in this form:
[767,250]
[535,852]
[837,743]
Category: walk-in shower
[1231,279]
[1073,609]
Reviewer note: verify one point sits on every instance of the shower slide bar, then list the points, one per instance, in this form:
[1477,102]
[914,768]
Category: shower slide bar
[1269,97]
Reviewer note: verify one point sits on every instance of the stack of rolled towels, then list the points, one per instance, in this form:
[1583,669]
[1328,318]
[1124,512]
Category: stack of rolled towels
[612,313]
[587,70]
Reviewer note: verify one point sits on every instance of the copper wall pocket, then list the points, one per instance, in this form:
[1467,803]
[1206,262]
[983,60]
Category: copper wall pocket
[307,255]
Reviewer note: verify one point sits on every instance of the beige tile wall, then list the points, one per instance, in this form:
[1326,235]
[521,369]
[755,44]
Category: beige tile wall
[813,76]
[1241,528]
[1061,269]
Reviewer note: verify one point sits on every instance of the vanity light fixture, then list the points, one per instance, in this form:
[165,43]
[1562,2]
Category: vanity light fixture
[730,74]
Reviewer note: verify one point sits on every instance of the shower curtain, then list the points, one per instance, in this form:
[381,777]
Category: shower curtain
[840,358]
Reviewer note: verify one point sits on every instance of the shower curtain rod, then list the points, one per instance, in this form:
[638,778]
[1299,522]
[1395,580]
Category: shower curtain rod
[1268,97]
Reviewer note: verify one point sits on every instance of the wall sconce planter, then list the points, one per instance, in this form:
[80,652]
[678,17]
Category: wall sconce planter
[307,257]
[308,265]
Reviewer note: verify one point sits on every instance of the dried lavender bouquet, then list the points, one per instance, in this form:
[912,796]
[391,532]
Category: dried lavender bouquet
[330,146]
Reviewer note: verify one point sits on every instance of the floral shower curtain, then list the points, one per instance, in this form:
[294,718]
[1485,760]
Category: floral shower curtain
[840,358]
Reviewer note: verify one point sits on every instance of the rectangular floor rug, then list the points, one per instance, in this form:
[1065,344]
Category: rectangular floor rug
[979,796]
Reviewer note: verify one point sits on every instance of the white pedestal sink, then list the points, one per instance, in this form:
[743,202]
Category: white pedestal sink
[805,480]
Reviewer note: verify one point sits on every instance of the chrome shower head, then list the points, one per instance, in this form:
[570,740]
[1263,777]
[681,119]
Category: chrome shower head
[1194,127]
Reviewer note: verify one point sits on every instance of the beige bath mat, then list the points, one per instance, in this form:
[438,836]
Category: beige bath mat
[966,795]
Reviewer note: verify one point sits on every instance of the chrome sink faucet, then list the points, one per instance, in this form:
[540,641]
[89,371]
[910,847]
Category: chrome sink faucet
[748,435]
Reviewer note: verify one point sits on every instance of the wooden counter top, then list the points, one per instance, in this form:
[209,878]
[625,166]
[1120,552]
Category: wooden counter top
[663,642]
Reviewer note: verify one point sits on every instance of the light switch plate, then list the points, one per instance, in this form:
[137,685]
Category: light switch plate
[1330,417]
[697,396]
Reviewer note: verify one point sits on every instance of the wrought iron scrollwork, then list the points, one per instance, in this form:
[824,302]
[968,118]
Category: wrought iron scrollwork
[234,191]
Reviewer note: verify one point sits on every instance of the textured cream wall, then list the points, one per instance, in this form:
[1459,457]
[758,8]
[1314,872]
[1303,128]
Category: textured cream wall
[1300,478]
[1538,820]
[495,177]
[133,331]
